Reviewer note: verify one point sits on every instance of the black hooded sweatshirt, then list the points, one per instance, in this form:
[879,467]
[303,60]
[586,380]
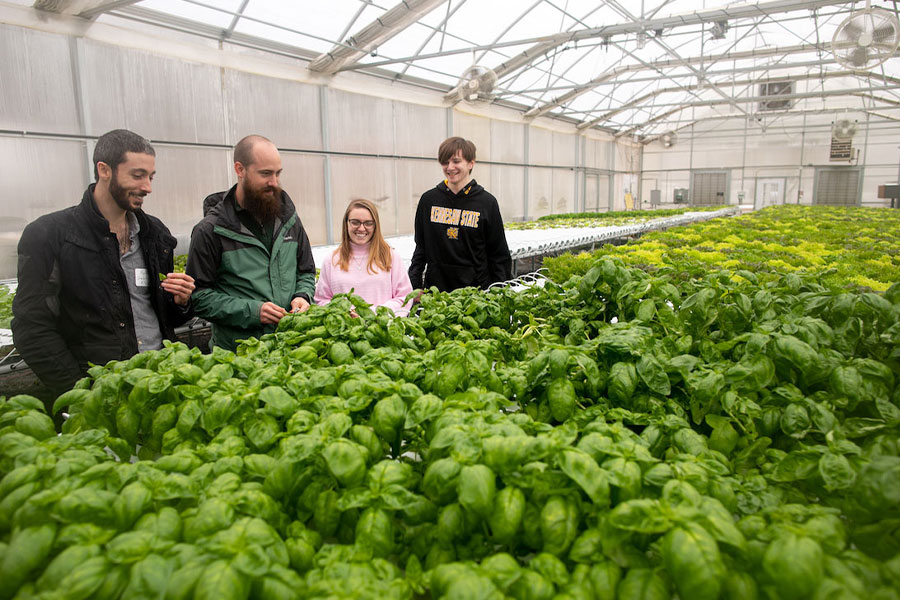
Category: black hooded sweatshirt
[459,240]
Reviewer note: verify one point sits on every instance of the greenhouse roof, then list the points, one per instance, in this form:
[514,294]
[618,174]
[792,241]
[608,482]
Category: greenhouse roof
[636,68]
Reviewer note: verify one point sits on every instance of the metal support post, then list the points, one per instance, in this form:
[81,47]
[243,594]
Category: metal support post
[326,146]
[527,162]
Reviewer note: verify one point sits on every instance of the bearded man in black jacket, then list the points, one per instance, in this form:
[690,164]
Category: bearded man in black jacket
[459,234]
[96,281]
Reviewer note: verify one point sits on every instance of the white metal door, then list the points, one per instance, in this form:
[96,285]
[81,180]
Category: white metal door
[769,192]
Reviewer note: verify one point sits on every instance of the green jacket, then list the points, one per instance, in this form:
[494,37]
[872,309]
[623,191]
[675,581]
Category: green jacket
[235,274]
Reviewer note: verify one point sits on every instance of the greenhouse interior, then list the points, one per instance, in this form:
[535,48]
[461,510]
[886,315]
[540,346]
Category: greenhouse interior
[629,326]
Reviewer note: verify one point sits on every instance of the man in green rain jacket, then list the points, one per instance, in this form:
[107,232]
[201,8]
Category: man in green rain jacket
[250,257]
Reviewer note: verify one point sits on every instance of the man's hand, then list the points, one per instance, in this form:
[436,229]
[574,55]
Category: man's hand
[299,305]
[270,313]
[180,285]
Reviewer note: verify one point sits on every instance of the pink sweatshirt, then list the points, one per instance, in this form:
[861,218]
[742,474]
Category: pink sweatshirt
[378,289]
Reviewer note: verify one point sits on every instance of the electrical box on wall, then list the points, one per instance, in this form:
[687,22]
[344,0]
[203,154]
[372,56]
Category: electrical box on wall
[680,195]
[887,191]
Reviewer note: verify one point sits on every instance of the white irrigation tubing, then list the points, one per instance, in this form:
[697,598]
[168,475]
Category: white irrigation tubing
[611,233]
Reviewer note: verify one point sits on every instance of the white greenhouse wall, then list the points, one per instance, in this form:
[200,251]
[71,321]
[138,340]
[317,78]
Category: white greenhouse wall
[792,154]
[344,137]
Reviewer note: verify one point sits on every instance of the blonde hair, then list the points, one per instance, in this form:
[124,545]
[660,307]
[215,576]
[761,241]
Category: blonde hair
[379,251]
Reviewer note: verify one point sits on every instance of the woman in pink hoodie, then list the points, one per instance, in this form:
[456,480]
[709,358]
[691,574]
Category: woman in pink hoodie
[364,263]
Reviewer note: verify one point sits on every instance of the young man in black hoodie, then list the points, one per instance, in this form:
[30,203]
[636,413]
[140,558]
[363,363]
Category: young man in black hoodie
[459,233]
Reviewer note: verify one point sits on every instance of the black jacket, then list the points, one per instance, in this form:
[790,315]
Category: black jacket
[72,303]
[459,240]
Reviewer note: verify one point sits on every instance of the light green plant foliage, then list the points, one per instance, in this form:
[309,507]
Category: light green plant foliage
[6,298]
[603,219]
[843,246]
[180,262]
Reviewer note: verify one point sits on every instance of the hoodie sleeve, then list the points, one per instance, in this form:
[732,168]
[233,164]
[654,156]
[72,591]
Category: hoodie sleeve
[498,257]
[417,263]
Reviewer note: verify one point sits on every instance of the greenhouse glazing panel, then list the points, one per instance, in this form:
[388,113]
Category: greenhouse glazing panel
[477,130]
[285,111]
[597,154]
[563,191]
[416,129]
[159,98]
[507,184]
[540,191]
[372,179]
[360,124]
[23,201]
[414,178]
[591,194]
[564,150]
[540,146]
[37,85]
[184,177]
[507,142]
[303,179]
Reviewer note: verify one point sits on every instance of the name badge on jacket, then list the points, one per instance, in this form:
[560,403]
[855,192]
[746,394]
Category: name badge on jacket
[141,278]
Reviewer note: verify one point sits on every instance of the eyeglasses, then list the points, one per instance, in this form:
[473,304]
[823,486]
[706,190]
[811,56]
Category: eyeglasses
[354,223]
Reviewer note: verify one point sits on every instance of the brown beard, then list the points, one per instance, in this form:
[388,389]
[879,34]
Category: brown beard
[120,194]
[263,206]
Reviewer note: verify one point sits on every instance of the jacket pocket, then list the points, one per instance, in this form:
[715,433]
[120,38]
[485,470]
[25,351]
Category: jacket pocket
[84,268]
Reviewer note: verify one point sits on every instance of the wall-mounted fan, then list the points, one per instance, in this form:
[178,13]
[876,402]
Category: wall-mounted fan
[843,129]
[668,139]
[475,84]
[866,38]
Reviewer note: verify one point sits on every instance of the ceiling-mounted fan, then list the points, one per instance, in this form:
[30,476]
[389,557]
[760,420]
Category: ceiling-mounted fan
[476,84]
[668,139]
[866,38]
[843,129]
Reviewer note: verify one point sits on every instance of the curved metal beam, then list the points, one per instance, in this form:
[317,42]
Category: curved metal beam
[664,64]
[86,9]
[790,113]
[369,37]
[746,11]
[826,75]
[751,99]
